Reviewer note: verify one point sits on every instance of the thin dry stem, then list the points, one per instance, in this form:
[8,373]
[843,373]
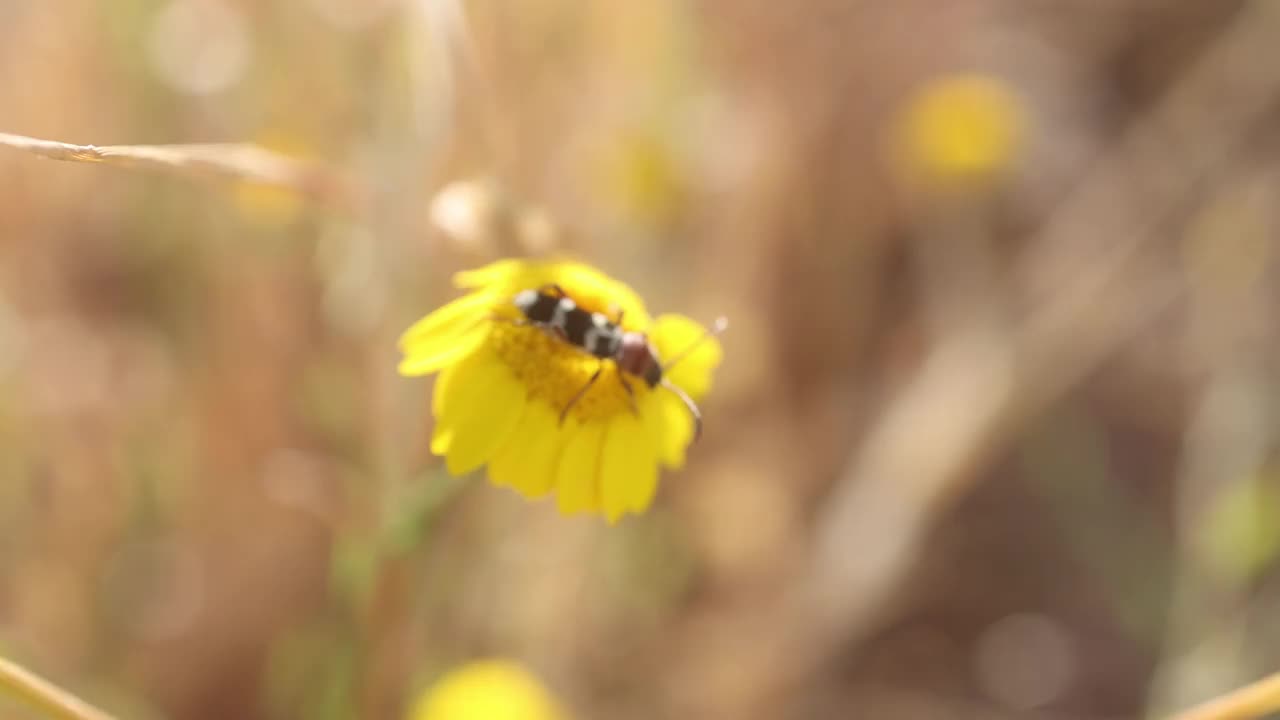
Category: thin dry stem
[234,161]
[1251,701]
[46,697]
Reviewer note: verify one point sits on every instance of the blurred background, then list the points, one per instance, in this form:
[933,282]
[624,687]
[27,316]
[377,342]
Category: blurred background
[995,435]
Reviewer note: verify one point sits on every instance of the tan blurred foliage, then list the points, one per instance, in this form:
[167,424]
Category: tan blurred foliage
[994,438]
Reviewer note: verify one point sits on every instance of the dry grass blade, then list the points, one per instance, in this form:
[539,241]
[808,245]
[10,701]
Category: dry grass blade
[1251,701]
[39,693]
[232,161]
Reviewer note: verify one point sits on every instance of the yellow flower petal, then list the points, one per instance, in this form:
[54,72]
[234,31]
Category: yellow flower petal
[669,425]
[478,412]
[429,357]
[445,335]
[495,273]
[577,482]
[590,288]
[441,390]
[445,322]
[479,436]
[456,390]
[628,468]
[527,462]
[673,335]
[446,387]
[599,293]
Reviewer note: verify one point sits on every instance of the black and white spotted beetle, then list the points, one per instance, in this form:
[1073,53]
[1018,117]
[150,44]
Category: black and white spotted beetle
[551,309]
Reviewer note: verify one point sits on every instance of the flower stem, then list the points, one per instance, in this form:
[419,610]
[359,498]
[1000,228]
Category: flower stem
[43,695]
[1246,703]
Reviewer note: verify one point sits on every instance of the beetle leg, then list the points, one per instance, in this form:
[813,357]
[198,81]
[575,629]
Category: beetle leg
[578,396]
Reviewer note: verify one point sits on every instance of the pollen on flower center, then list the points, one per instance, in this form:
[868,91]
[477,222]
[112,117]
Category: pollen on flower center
[554,371]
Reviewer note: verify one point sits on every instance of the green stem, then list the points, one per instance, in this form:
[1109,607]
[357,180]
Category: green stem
[43,695]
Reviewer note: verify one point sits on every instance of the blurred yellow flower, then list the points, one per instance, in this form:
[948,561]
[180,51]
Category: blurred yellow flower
[642,173]
[502,389]
[1239,533]
[960,128]
[266,204]
[487,690]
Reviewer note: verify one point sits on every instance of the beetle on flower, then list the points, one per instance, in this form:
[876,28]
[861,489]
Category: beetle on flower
[541,413]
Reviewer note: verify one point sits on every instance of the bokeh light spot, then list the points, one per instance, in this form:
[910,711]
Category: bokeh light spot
[1024,661]
[199,47]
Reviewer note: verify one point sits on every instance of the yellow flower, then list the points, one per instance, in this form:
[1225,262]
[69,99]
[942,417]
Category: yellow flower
[961,127]
[502,389]
[487,690]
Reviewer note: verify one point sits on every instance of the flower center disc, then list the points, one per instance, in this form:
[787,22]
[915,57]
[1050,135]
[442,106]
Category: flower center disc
[555,372]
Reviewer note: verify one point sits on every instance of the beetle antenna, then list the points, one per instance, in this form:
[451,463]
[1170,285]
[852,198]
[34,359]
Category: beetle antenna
[720,325]
[688,403]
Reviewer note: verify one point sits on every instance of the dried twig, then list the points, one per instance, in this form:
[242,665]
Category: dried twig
[235,161]
[1249,702]
[39,693]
